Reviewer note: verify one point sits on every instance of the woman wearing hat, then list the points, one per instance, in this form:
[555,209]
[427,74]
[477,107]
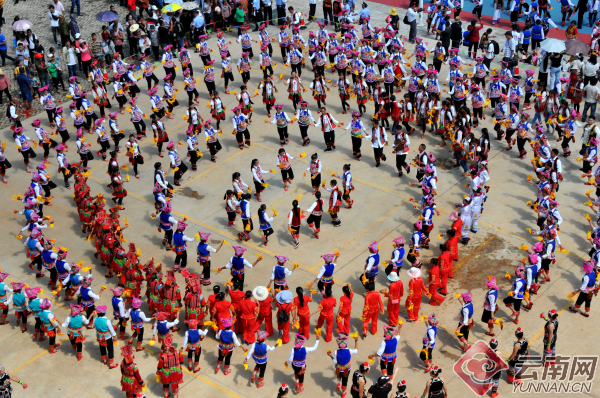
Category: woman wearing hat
[168,370]
[435,387]
[465,320]
[387,349]
[258,352]
[50,325]
[227,342]
[517,358]
[516,294]
[192,343]
[132,382]
[342,359]
[265,308]
[74,324]
[426,353]
[298,359]
[24,147]
[416,289]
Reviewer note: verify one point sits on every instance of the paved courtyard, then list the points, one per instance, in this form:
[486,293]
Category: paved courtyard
[382,211]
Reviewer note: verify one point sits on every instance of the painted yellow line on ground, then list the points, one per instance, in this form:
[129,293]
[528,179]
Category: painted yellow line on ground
[197,376]
[210,169]
[354,179]
[541,331]
[464,260]
[367,229]
[125,152]
[35,358]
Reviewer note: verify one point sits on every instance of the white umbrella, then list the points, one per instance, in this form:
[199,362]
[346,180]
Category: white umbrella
[553,45]
[190,6]
[178,2]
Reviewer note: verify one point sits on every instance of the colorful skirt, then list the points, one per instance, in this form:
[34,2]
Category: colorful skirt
[102,337]
[171,375]
[75,334]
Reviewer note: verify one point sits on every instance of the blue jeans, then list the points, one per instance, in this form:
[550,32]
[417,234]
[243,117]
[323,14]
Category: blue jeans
[591,106]
[44,82]
[4,57]
[72,70]
[554,76]
[592,17]
[536,118]
[76,3]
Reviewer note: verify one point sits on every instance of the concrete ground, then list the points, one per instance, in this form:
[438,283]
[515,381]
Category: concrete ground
[382,212]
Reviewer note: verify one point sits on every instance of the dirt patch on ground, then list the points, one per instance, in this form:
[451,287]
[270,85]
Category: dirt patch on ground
[445,163]
[489,255]
[190,193]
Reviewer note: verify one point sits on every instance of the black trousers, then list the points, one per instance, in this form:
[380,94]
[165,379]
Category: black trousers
[109,347]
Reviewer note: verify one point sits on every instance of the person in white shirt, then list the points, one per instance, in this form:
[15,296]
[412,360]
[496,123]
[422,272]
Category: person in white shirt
[53,16]
[379,139]
[329,125]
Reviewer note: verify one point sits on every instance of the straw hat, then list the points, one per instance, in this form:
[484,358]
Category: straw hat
[393,12]
[1,72]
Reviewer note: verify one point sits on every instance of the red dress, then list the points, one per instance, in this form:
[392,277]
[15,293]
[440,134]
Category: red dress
[131,381]
[169,367]
[303,316]
[343,324]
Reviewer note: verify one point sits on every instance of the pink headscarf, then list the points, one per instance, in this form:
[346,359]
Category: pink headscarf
[239,250]
[328,258]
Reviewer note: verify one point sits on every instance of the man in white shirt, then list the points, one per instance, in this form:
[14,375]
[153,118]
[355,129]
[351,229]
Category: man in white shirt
[70,56]
[489,54]
[411,16]
[53,16]
[592,96]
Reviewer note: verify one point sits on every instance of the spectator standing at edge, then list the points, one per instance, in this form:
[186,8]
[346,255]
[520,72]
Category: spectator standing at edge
[411,17]
[456,32]
[281,5]
[592,97]
[4,49]
[268,11]
[54,22]
[78,4]
[327,12]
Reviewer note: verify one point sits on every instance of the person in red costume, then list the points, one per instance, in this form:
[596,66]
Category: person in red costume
[265,308]
[373,306]
[394,296]
[344,310]
[131,381]
[247,311]
[169,367]
[302,312]
[416,289]
[445,261]
[326,306]
[434,283]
